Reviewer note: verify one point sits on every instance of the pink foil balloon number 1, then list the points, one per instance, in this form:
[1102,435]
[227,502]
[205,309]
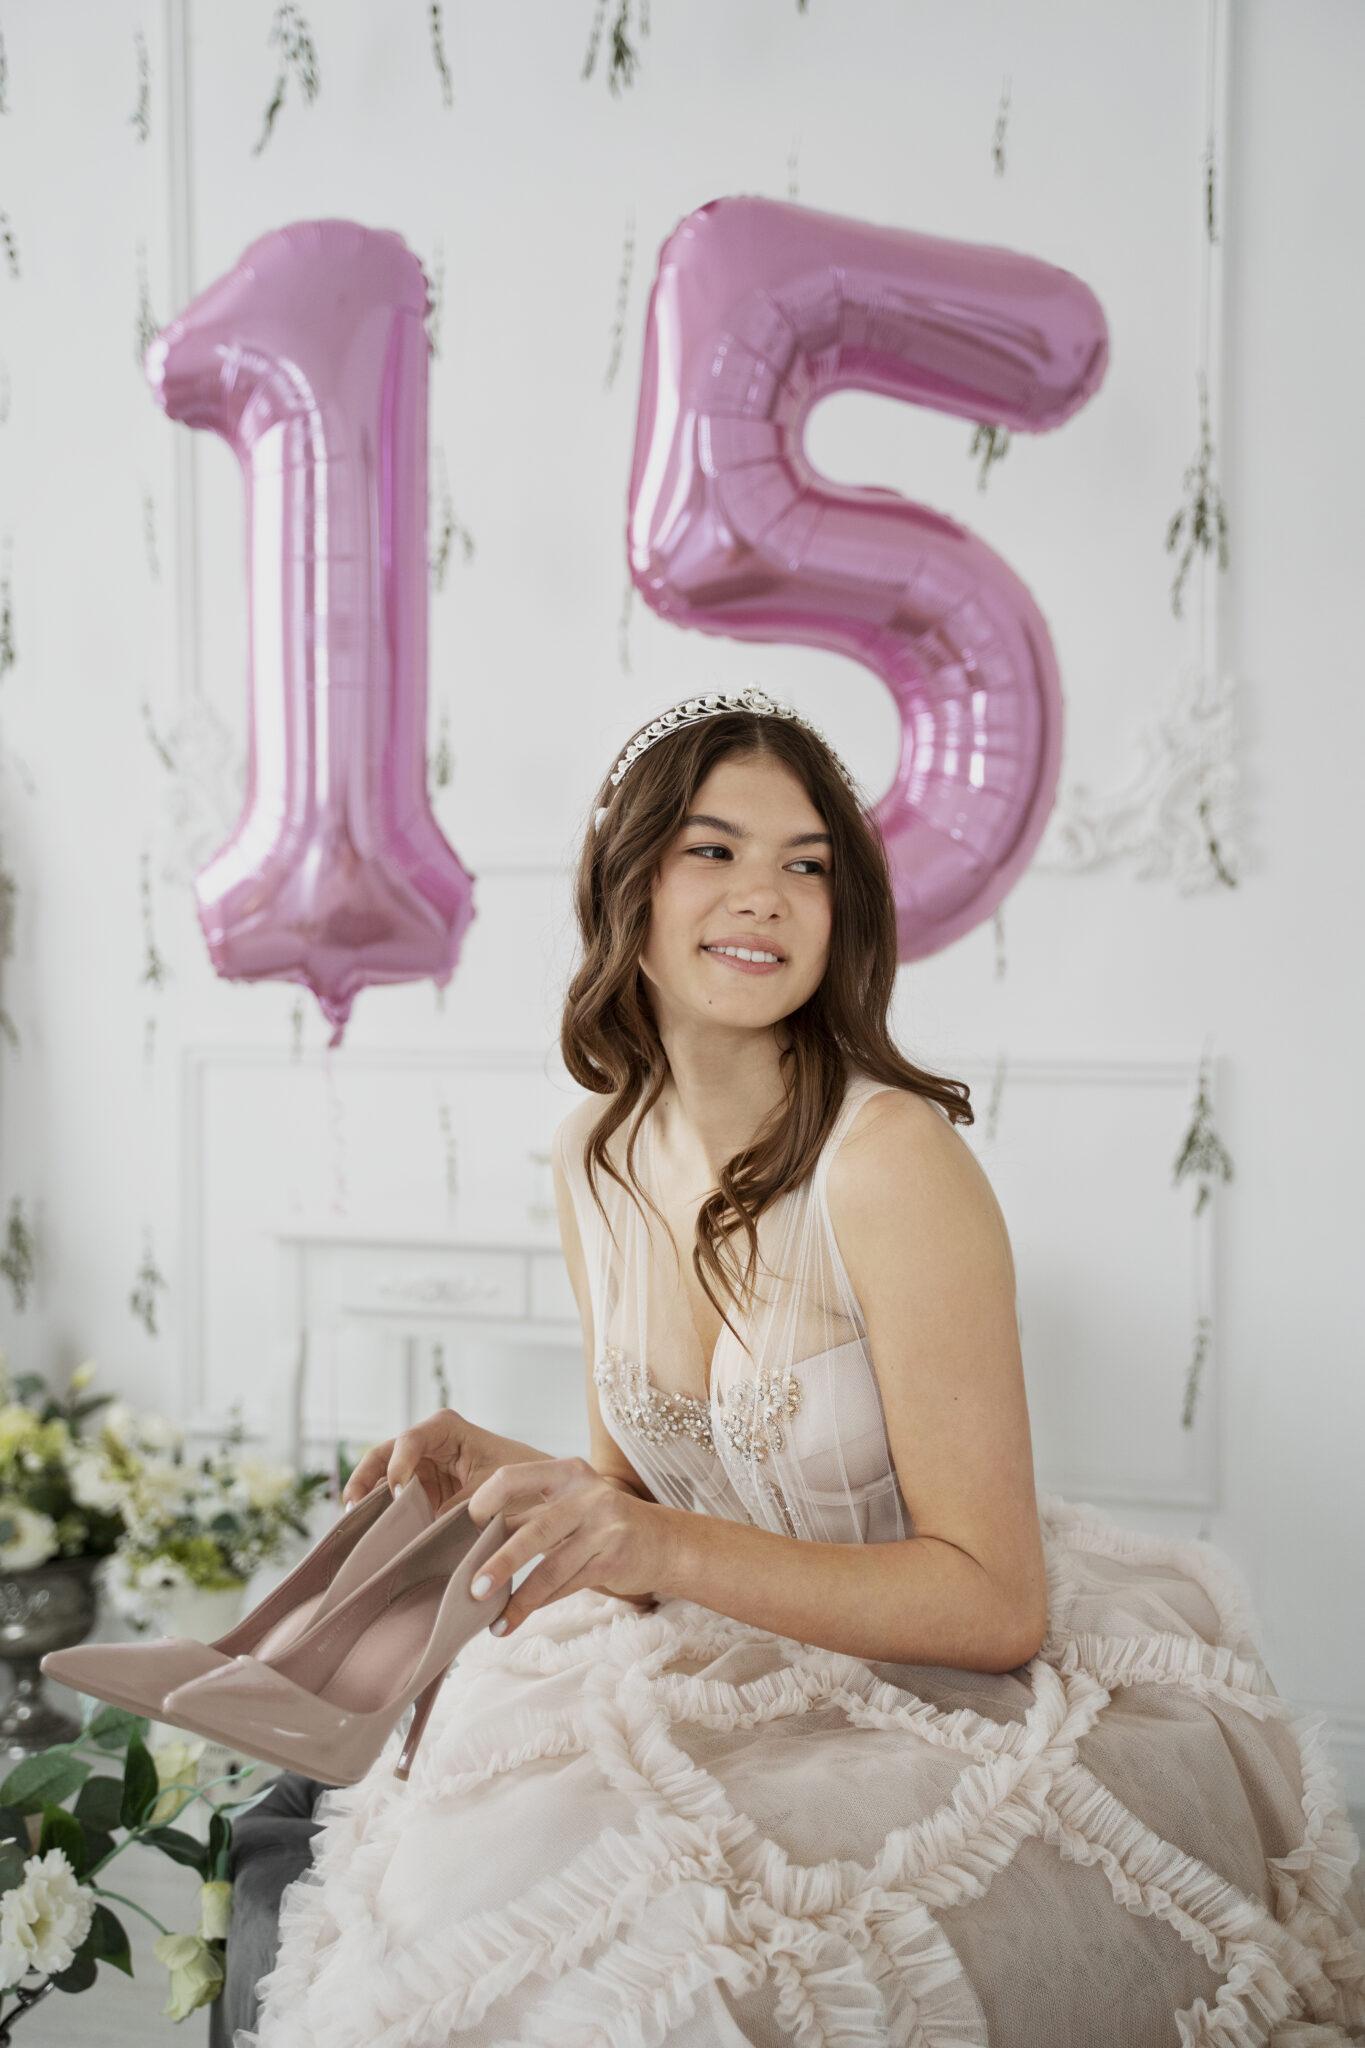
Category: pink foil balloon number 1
[310,358]
[758,310]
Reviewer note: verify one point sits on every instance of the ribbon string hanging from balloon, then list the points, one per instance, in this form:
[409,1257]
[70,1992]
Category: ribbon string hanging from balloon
[757,310]
[309,358]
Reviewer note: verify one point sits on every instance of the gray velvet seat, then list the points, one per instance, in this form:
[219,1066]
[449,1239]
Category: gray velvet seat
[270,1846]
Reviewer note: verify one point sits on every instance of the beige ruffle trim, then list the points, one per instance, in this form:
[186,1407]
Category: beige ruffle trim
[694,1895]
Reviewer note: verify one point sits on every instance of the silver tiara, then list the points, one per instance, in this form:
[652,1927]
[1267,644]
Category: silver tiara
[692,709]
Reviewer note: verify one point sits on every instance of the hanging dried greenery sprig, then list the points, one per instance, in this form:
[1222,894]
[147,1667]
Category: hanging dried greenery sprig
[1203,1336]
[1212,845]
[147,322]
[9,890]
[443,760]
[154,970]
[1210,170]
[159,746]
[290,30]
[141,116]
[1203,520]
[18,1260]
[992,1124]
[992,444]
[4,75]
[438,1373]
[8,244]
[793,175]
[625,59]
[449,528]
[1202,1154]
[438,51]
[618,328]
[8,653]
[1001,121]
[436,291]
[150,1281]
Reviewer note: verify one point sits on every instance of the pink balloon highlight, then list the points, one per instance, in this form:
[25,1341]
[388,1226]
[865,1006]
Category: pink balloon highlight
[310,358]
[759,309]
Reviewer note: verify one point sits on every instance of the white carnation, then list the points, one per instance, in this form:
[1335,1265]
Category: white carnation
[43,1919]
[32,1538]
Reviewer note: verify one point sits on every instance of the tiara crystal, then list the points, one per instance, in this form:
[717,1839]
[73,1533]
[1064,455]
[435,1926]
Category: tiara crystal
[693,709]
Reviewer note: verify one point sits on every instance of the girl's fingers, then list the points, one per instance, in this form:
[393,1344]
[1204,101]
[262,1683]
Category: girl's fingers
[553,1523]
[561,1572]
[367,1473]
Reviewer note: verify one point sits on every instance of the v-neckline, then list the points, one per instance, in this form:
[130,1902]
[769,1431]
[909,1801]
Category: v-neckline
[647,1128]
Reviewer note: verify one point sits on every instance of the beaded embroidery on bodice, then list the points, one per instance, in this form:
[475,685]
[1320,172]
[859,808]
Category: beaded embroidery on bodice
[792,1435]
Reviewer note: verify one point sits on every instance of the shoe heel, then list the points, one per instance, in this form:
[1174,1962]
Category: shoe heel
[422,1706]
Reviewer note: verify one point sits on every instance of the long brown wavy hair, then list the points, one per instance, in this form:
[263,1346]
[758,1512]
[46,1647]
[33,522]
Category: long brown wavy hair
[608,1037]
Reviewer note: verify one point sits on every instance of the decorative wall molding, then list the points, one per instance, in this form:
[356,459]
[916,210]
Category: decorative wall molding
[1178,1078]
[1162,816]
[197,1062]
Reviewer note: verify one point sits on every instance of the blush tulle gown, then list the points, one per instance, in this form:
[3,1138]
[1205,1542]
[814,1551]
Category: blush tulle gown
[641,1828]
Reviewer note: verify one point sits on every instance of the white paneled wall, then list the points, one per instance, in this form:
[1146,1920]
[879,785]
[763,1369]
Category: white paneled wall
[121,538]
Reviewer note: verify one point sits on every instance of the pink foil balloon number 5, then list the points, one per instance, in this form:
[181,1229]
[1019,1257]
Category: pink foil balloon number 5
[310,358]
[760,308]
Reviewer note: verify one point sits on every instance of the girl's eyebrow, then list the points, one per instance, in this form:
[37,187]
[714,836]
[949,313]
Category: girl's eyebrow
[742,831]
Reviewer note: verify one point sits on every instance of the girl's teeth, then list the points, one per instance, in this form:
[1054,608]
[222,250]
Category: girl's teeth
[742,953]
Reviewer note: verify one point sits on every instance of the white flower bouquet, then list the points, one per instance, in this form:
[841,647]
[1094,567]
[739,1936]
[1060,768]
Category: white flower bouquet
[86,1476]
[123,1489]
[65,1814]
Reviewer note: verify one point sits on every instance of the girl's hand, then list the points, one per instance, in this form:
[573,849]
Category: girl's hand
[447,1453]
[590,1532]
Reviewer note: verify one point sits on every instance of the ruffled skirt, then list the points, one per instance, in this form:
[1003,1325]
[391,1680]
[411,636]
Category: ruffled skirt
[627,1829]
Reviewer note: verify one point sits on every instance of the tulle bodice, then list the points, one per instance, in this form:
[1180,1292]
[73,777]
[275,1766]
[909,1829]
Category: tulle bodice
[789,1434]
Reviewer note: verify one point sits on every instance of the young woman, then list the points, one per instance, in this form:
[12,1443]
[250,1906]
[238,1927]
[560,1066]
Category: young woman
[810,1726]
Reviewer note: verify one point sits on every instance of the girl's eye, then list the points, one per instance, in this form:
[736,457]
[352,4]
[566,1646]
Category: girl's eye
[806,860]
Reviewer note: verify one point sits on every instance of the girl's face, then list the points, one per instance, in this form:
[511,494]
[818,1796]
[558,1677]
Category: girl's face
[751,865]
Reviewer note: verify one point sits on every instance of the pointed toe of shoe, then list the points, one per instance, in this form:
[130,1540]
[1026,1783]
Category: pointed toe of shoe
[134,1675]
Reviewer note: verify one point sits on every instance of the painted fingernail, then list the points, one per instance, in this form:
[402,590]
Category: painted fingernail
[347,1506]
[498,1627]
[483,1584]
[397,1488]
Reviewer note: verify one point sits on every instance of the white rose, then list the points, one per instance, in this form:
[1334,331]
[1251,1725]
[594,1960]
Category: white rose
[82,1376]
[44,1919]
[163,1488]
[92,1483]
[266,1484]
[119,1419]
[158,1433]
[177,1770]
[32,1538]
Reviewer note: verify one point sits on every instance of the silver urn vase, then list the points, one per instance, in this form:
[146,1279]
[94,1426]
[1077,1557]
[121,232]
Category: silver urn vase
[46,1607]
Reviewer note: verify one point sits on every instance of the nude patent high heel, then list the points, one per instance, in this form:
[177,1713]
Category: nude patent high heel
[138,1676]
[327,1704]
